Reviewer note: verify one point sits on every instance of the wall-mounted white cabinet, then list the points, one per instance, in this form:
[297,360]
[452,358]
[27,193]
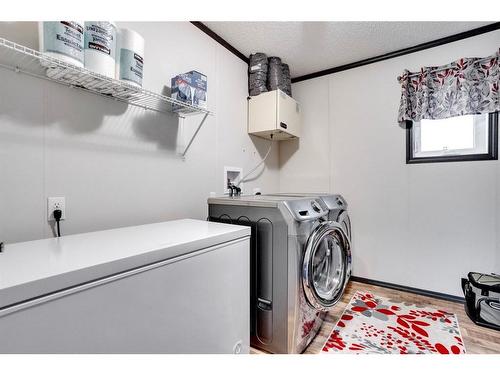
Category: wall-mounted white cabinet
[274,115]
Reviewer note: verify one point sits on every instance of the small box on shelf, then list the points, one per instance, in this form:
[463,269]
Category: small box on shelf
[189,88]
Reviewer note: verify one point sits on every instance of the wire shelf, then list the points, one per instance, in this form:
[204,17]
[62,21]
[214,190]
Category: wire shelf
[25,60]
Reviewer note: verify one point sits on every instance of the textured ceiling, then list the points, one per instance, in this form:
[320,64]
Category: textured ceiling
[312,46]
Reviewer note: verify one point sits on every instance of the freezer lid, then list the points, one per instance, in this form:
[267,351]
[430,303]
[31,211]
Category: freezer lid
[34,268]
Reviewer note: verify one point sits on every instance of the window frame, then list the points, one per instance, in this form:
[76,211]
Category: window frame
[492,153]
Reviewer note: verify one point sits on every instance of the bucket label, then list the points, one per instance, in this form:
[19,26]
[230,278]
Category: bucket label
[64,37]
[131,65]
[100,36]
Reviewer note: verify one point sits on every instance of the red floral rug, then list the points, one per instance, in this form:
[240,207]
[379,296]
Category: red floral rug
[372,324]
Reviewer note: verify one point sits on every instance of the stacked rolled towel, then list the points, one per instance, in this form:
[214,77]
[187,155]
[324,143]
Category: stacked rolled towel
[257,74]
[274,74]
[287,80]
[268,74]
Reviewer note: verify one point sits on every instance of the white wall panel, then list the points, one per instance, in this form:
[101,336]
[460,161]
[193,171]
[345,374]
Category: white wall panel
[115,165]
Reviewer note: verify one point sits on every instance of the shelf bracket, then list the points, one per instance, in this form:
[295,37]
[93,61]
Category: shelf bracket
[183,154]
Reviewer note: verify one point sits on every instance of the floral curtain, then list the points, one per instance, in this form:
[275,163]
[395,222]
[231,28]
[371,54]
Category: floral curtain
[464,87]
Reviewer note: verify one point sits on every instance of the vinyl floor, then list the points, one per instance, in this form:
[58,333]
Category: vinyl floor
[478,340]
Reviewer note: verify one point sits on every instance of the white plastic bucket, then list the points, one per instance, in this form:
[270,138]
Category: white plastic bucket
[130,57]
[100,47]
[62,40]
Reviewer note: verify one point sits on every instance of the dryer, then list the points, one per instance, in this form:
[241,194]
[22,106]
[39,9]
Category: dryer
[337,207]
[336,204]
[300,265]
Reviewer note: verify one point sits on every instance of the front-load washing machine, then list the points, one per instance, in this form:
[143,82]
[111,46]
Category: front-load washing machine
[300,265]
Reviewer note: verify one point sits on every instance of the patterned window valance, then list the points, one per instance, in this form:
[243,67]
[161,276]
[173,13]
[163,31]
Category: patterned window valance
[464,87]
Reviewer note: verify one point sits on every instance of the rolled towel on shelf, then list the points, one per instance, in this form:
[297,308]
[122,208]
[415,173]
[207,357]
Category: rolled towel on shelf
[287,80]
[257,74]
[274,74]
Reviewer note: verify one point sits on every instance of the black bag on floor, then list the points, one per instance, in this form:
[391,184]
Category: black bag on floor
[482,299]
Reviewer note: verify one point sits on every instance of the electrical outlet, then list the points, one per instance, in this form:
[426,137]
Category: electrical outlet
[56,203]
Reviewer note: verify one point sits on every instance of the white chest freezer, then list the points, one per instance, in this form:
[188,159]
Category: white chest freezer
[174,287]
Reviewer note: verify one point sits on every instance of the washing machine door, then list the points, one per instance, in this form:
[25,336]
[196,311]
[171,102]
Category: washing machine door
[326,266]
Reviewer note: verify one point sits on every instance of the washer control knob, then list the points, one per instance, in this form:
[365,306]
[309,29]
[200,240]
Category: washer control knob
[315,207]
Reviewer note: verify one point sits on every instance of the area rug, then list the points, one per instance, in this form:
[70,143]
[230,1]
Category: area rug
[372,324]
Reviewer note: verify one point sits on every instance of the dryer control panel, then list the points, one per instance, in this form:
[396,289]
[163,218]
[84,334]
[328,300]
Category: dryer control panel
[335,201]
[307,209]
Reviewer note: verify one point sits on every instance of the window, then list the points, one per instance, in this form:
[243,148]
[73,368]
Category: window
[462,138]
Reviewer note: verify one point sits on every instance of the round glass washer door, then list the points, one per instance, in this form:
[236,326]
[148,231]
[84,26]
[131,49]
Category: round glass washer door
[326,266]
